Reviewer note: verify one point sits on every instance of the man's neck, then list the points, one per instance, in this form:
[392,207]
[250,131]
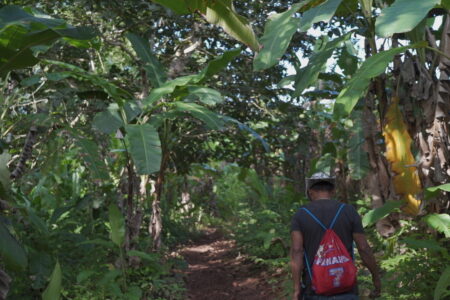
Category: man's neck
[322,196]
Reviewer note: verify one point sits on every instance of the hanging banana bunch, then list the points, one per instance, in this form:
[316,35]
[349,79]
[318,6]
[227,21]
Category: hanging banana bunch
[398,152]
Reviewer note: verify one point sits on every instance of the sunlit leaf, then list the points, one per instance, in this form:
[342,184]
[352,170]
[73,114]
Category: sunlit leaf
[145,148]
[440,222]
[402,16]
[379,213]
[442,187]
[222,13]
[278,33]
[168,88]
[431,192]
[398,152]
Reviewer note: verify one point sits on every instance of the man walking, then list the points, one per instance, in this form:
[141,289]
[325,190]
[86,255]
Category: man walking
[307,230]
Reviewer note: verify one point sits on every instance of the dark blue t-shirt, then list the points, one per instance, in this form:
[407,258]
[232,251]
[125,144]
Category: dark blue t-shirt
[348,222]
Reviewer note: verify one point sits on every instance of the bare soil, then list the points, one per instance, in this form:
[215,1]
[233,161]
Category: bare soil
[217,271]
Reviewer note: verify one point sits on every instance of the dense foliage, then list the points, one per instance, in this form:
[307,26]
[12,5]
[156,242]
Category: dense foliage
[127,127]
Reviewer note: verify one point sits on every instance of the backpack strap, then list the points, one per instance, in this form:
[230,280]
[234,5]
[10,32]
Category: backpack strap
[314,217]
[307,264]
[319,222]
[337,215]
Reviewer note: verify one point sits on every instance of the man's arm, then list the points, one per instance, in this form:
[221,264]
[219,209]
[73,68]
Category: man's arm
[297,261]
[368,260]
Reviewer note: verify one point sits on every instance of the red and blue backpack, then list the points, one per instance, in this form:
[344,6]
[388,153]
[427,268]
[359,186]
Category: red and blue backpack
[333,271]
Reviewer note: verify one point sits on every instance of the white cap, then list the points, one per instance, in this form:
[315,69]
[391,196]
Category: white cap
[319,177]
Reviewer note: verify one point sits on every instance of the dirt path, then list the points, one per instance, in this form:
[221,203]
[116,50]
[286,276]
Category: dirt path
[217,271]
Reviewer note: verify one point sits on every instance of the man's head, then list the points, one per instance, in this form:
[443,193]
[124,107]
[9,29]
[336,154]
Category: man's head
[320,186]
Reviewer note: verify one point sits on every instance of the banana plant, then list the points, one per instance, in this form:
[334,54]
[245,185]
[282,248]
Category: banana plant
[24,33]
[146,127]
[220,13]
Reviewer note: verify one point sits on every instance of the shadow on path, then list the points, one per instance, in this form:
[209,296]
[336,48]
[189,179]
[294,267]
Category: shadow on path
[216,271]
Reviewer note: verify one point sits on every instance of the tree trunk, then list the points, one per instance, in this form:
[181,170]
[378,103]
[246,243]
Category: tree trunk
[4,284]
[155,227]
[377,183]
[26,153]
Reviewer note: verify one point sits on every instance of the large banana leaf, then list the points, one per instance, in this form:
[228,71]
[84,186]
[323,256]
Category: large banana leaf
[205,95]
[11,252]
[398,152]
[348,60]
[440,222]
[20,31]
[372,216]
[217,64]
[154,69]
[211,119]
[434,190]
[145,148]
[118,94]
[168,88]
[220,13]
[278,33]
[108,121]
[53,290]
[117,225]
[402,16]
[280,28]
[213,67]
[320,13]
[357,85]
[309,74]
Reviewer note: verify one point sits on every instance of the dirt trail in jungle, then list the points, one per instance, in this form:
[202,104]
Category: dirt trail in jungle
[217,271]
